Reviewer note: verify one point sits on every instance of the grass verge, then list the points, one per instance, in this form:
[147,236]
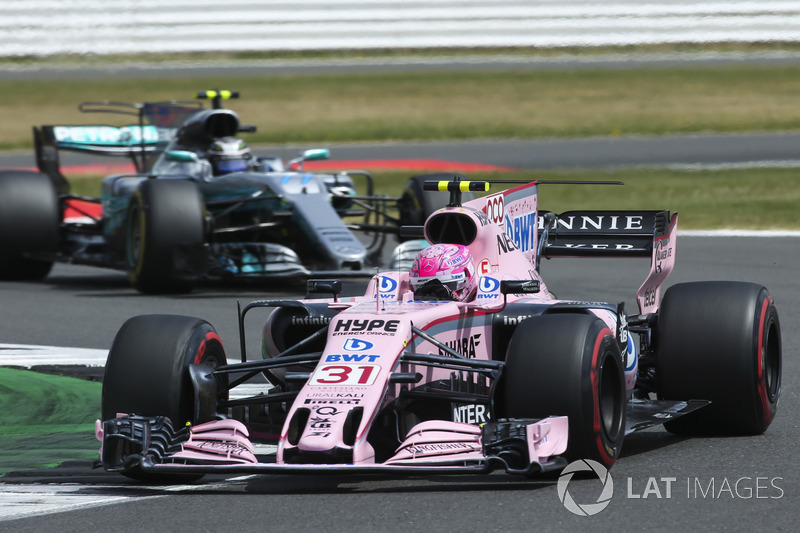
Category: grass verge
[444,105]
[753,198]
[46,420]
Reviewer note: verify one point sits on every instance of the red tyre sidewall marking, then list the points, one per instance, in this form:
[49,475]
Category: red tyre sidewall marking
[595,373]
[201,351]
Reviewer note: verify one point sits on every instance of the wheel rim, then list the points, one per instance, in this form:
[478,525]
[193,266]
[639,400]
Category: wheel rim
[211,353]
[771,355]
[134,237]
[611,398]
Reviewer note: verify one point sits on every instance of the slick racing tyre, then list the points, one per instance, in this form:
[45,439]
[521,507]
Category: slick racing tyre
[416,204]
[147,368]
[568,365]
[719,341]
[29,224]
[164,217]
[147,372]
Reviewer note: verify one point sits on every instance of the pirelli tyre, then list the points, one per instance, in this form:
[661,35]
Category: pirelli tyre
[30,217]
[719,341]
[567,364]
[416,204]
[147,370]
[164,217]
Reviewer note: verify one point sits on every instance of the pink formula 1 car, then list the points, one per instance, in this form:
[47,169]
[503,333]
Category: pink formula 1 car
[464,363]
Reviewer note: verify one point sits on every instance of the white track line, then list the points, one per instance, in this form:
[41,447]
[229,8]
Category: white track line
[21,501]
[26,356]
[737,233]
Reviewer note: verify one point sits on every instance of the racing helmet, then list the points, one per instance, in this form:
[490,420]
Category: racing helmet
[444,265]
[228,154]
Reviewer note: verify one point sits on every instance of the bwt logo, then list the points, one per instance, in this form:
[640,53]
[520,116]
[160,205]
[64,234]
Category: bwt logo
[522,230]
[351,358]
[387,287]
[487,287]
[357,345]
[488,284]
[387,284]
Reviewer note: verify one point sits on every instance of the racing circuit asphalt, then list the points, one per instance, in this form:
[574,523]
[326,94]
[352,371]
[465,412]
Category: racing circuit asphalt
[84,307]
[701,150]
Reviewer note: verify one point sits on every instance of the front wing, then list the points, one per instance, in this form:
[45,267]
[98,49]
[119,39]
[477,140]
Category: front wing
[153,445]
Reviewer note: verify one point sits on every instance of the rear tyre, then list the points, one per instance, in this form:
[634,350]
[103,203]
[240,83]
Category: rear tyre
[568,365]
[29,224]
[163,216]
[720,341]
[147,371]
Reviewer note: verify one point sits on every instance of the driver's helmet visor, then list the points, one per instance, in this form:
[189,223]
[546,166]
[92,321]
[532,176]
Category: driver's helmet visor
[451,281]
[225,166]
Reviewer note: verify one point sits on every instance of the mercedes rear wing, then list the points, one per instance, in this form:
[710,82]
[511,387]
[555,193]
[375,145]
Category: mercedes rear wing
[140,142]
[156,124]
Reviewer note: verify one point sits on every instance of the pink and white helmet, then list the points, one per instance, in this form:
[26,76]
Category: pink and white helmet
[450,264]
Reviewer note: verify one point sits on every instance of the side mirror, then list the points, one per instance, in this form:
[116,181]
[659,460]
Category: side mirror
[316,154]
[181,156]
[324,286]
[519,286]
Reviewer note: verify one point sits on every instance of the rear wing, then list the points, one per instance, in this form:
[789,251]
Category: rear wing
[140,142]
[600,233]
[157,123]
[650,234]
[538,233]
[100,139]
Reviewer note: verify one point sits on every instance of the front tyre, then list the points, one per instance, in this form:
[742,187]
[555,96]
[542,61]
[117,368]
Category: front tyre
[147,368]
[568,365]
[720,341]
[147,374]
[163,217]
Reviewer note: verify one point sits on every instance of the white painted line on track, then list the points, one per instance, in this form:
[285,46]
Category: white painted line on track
[27,356]
[786,163]
[737,233]
[21,501]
